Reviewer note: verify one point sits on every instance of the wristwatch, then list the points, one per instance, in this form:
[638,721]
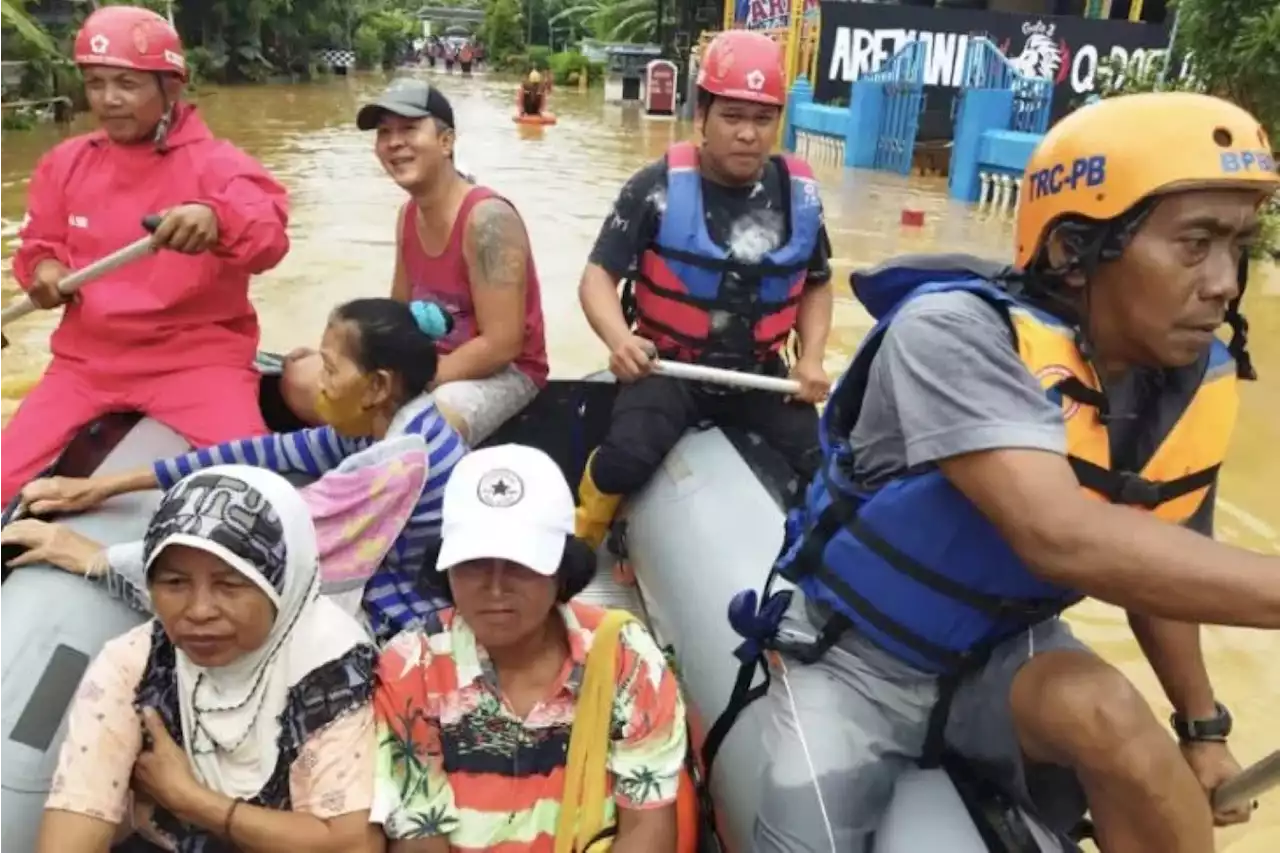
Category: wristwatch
[1215,728]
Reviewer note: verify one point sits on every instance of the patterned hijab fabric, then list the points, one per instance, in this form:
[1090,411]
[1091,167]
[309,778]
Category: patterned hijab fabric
[221,511]
[242,724]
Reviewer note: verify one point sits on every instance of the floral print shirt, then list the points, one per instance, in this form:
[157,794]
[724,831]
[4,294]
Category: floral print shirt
[454,760]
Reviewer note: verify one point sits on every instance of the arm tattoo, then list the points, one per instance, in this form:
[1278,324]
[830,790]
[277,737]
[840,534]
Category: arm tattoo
[498,247]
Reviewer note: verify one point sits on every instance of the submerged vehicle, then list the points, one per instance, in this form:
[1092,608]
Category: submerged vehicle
[707,526]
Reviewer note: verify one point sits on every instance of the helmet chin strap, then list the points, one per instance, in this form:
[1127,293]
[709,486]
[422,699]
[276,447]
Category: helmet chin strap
[1088,246]
[160,138]
[1238,346]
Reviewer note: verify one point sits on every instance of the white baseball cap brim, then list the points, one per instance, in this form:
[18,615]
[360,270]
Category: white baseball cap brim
[508,502]
[539,549]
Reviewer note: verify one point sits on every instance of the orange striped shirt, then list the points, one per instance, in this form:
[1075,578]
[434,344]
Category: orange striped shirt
[454,760]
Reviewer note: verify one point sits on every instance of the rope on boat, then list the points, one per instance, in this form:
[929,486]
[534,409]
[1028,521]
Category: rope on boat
[808,755]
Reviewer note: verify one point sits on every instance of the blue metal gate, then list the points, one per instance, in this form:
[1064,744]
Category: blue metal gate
[985,67]
[902,81]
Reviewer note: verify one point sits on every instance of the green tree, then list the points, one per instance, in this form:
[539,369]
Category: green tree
[1233,51]
[1233,48]
[381,37]
[503,29]
[250,40]
[15,17]
[619,20]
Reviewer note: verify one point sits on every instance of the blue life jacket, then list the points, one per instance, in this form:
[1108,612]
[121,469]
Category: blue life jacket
[913,565]
[682,275]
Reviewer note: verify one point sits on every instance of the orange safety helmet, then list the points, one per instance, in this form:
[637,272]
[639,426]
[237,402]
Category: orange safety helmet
[745,66]
[130,37]
[1104,158]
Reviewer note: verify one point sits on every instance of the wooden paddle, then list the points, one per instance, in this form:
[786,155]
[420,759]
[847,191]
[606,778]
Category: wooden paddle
[1257,778]
[81,277]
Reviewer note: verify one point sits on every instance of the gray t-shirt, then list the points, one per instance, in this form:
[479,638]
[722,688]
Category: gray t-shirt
[948,380]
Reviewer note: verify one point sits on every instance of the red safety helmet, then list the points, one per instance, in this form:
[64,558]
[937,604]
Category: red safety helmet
[130,37]
[744,66]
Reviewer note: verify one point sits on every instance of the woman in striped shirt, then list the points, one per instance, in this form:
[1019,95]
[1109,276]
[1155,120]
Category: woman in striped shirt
[379,364]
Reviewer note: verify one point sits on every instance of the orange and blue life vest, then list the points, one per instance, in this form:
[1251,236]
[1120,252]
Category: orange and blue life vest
[913,565]
[683,277]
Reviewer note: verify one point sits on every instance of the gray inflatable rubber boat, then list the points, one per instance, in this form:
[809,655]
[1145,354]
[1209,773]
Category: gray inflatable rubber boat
[52,624]
[706,527]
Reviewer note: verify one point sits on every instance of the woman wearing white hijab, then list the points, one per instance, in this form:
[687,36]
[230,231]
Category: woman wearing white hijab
[256,732]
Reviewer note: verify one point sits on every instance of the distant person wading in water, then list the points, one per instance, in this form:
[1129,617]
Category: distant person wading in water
[532,97]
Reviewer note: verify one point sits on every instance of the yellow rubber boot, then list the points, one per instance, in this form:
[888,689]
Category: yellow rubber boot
[595,509]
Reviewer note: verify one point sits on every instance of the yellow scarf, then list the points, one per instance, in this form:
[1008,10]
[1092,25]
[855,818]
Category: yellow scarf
[586,776]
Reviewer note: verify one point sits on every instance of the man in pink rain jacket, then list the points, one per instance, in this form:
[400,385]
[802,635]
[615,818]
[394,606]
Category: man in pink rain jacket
[172,335]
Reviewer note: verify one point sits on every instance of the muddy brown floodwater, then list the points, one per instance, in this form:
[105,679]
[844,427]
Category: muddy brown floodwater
[563,179]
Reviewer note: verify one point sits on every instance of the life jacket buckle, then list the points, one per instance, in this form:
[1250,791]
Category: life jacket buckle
[757,622]
[1135,490]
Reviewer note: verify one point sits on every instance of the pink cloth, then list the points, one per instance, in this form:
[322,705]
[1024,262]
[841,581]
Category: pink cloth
[445,278]
[87,199]
[172,335]
[205,405]
[360,508]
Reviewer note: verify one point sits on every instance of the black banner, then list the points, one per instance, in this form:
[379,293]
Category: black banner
[857,38]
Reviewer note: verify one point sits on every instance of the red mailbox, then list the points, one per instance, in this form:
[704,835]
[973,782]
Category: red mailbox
[660,88]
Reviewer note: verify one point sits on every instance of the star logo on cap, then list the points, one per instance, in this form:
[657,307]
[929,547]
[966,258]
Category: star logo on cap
[755,80]
[500,488]
[99,44]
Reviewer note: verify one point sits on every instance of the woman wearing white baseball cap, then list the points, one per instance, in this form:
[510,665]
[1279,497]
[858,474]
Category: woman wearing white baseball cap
[474,721]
